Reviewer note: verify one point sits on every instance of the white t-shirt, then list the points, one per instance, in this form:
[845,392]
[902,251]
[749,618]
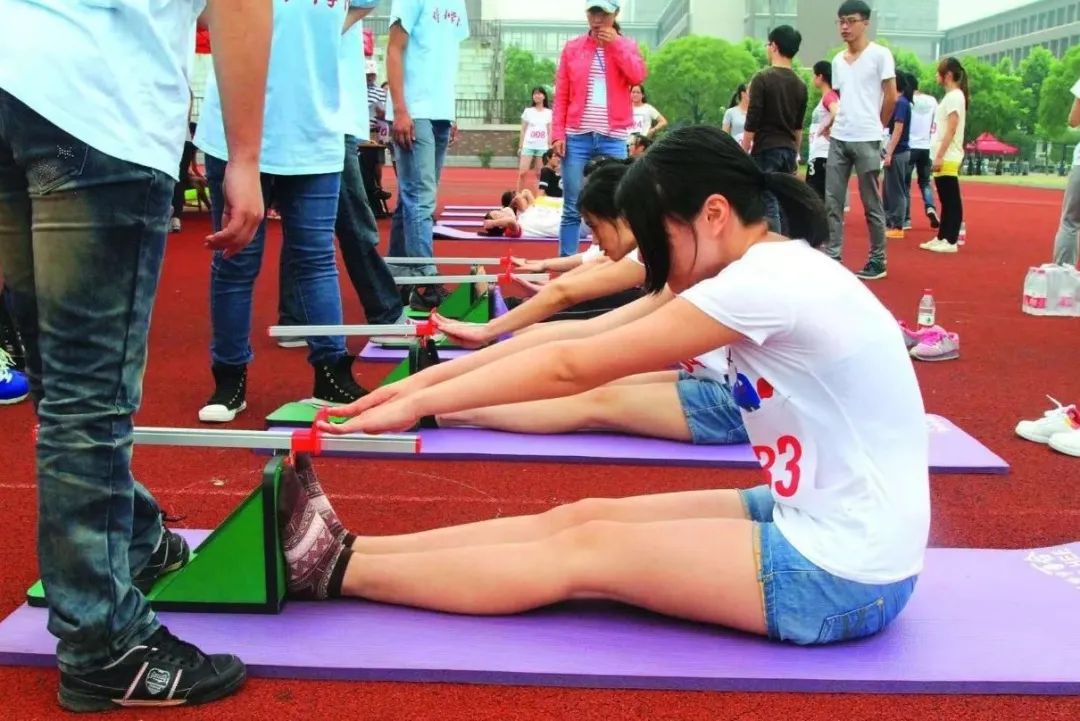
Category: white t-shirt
[112,73]
[644,117]
[819,144]
[1076,150]
[953,102]
[859,85]
[541,221]
[436,30]
[537,122]
[836,420]
[593,252]
[737,119]
[304,121]
[922,121]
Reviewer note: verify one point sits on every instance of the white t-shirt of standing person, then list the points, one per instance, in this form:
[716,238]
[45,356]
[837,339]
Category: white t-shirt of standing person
[537,128]
[645,116]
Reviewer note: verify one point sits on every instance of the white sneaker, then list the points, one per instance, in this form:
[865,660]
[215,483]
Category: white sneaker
[937,245]
[1062,419]
[174,225]
[292,341]
[1067,443]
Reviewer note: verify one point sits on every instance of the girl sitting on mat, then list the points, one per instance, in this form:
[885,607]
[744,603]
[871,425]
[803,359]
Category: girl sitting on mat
[829,550]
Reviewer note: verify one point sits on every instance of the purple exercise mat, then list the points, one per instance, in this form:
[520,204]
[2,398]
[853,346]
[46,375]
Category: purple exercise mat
[471,222]
[379,354]
[466,214]
[980,621]
[951,449]
[468,208]
[446,232]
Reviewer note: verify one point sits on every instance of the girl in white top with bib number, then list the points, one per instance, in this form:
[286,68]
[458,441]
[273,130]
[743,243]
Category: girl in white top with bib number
[535,134]
[828,550]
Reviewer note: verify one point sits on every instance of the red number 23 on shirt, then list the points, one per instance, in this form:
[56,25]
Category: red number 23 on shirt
[789,451]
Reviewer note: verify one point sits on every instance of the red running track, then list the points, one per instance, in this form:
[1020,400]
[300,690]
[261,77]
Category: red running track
[1009,362]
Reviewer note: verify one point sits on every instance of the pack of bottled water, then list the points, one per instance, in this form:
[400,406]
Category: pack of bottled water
[1052,290]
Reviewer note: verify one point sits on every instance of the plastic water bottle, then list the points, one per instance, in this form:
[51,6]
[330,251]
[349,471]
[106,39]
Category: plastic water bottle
[1035,291]
[927,309]
[962,238]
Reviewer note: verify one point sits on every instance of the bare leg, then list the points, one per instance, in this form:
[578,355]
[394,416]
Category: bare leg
[519,529]
[700,569]
[651,410]
[524,165]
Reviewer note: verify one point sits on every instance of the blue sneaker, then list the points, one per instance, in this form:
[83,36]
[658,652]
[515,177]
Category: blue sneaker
[14,386]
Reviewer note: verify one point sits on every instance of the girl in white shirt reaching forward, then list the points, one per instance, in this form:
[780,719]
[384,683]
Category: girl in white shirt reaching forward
[829,550]
[535,134]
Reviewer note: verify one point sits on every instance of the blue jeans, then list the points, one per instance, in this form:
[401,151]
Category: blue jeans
[580,149]
[775,160]
[920,165]
[358,238]
[308,208]
[711,411]
[897,191]
[418,171]
[82,238]
[805,604]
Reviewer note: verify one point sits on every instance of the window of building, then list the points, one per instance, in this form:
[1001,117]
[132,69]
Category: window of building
[1071,14]
[1061,16]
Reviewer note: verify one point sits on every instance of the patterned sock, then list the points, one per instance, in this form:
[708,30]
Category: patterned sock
[306,472]
[315,558]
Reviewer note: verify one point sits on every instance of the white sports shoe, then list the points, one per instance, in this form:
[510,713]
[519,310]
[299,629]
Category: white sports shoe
[1067,443]
[937,245]
[1060,420]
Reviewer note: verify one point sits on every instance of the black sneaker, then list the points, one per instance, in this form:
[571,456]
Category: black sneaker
[162,671]
[873,270]
[335,384]
[11,342]
[230,391]
[931,213]
[172,554]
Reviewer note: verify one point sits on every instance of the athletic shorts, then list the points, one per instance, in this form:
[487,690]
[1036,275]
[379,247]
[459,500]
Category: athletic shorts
[533,153]
[805,604]
[710,411]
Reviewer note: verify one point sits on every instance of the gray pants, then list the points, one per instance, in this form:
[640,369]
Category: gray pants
[1066,244]
[865,158]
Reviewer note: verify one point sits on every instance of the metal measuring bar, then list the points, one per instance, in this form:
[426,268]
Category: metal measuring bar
[274,440]
[447,261]
[488,278]
[303,331]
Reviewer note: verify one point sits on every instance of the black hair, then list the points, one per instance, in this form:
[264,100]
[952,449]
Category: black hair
[643,141]
[547,157]
[854,7]
[674,179]
[905,85]
[644,95]
[914,79]
[507,199]
[541,89]
[599,161]
[787,40]
[954,67]
[597,197]
[824,69]
[737,97]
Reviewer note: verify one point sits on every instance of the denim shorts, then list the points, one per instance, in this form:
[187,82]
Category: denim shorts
[805,604]
[710,411]
[532,153]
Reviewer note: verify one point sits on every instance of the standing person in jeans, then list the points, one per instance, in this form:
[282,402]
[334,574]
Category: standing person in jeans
[774,119]
[302,160]
[422,67]
[865,76]
[947,150]
[1068,234]
[356,229]
[923,109]
[593,112]
[896,161]
[90,145]
[821,121]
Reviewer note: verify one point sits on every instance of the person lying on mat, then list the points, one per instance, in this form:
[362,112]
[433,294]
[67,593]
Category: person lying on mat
[524,216]
[828,550]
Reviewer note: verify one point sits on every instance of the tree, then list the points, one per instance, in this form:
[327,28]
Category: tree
[1055,96]
[1034,69]
[692,79]
[756,48]
[995,104]
[522,72]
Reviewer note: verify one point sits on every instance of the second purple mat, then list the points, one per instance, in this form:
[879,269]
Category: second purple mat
[378,354]
[980,621]
[951,449]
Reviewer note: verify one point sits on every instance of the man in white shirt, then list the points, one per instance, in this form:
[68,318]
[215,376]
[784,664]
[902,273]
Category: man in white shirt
[1068,235]
[923,110]
[93,118]
[865,76]
[421,66]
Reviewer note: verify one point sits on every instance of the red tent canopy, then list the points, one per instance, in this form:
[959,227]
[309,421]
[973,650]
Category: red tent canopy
[987,144]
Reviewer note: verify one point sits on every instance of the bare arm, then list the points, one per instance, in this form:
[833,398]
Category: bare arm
[521,140]
[395,75]
[661,123]
[1074,114]
[826,127]
[241,30]
[888,102]
[897,133]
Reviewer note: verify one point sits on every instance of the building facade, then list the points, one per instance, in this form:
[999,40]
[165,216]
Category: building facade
[1053,24]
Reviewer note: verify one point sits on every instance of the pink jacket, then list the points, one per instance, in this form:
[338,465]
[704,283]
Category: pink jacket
[625,68]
